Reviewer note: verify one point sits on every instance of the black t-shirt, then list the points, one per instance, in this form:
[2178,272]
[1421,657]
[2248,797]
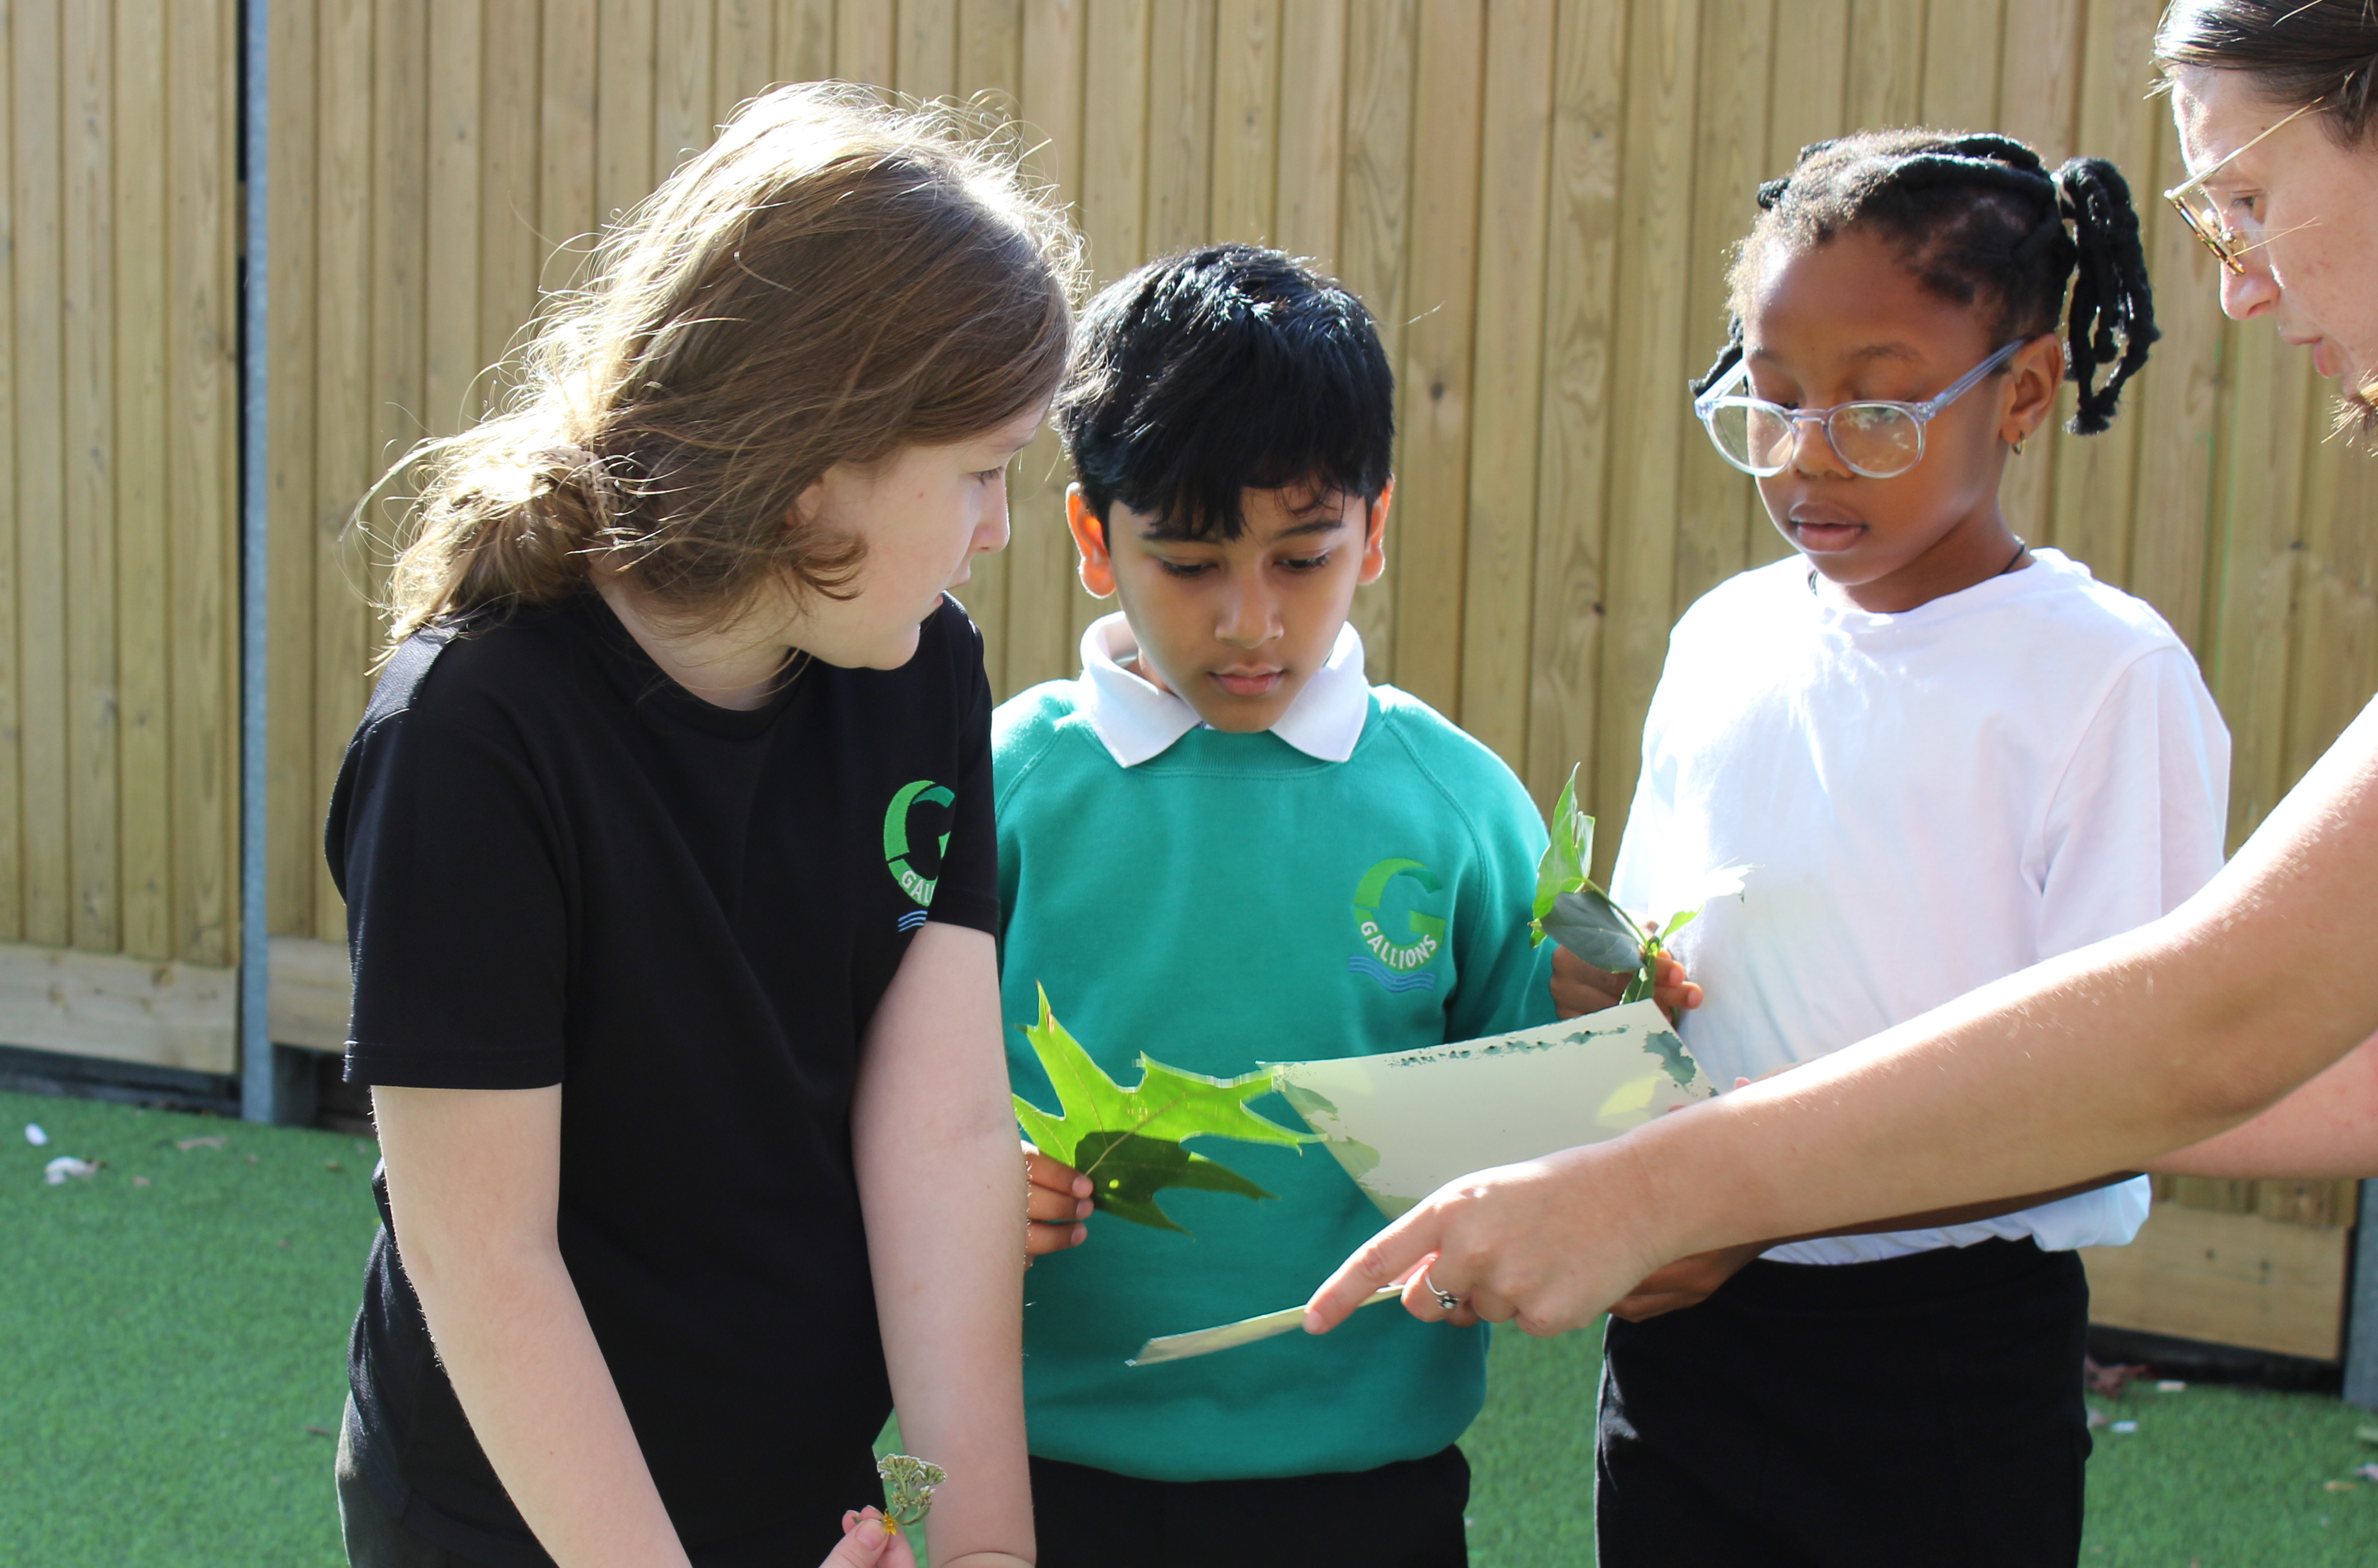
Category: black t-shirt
[562,868]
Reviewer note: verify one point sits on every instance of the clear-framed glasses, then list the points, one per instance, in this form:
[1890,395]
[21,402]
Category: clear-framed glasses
[1875,439]
[2204,219]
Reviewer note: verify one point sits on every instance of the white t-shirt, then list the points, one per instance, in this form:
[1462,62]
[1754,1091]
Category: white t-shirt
[1932,800]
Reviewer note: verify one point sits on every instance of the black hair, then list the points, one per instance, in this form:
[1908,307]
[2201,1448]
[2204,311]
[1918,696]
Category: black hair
[1223,369]
[1978,218]
[2325,52]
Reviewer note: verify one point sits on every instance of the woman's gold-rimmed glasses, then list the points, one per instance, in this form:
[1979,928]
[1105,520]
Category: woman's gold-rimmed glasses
[2205,220]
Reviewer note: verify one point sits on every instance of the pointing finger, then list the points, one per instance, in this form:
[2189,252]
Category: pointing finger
[1382,1261]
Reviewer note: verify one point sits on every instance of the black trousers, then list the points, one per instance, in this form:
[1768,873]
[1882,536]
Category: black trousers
[1924,1409]
[1400,1515]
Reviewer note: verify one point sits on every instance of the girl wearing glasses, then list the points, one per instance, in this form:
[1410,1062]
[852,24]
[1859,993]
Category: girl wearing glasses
[1948,756]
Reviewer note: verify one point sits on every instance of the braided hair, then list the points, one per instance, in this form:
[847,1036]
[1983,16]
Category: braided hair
[1978,218]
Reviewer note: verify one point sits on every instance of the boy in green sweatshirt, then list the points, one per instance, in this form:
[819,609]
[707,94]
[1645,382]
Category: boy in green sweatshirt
[1222,845]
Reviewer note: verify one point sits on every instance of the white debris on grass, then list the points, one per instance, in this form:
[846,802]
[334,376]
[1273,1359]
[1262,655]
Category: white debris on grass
[34,1135]
[57,1171]
[2125,1427]
[2170,1386]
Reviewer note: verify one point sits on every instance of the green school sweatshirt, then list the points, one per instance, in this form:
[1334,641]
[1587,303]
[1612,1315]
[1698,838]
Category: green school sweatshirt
[1230,902]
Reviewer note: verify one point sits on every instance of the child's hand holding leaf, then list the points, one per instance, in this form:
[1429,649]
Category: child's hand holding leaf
[868,1541]
[1606,956]
[1058,1200]
[1579,987]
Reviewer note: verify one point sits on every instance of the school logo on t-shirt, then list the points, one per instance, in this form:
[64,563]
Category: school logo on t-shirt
[896,845]
[1399,964]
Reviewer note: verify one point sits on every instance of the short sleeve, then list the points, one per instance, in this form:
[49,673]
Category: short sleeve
[457,922]
[967,894]
[2136,823]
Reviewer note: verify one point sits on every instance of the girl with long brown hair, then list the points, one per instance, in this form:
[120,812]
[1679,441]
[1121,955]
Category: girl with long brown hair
[667,843]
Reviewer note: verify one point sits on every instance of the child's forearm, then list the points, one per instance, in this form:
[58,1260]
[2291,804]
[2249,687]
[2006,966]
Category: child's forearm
[942,1179]
[472,1177]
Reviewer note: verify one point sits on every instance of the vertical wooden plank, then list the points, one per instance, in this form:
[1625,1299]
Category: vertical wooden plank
[293,814]
[990,67]
[2039,103]
[1035,645]
[743,65]
[925,48]
[1508,355]
[682,124]
[2095,476]
[1886,62]
[1433,487]
[200,439]
[1374,234]
[990,52]
[567,211]
[2253,569]
[345,444]
[864,40]
[1962,45]
[1573,468]
[87,307]
[510,249]
[143,495]
[1246,118]
[1647,435]
[1311,129]
[624,43]
[40,367]
[805,39]
[2175,403]
[451,305]
[1179,125]
[2335,664]
[11,400]
[1113,199]
[1715,500]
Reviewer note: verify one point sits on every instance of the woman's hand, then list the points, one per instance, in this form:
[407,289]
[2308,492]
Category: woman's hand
[867,1543]
[1579,988]
[1544,1245]
[1059,1202]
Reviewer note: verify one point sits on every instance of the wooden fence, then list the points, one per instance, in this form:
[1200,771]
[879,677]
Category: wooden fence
[1535,197]
[119,718]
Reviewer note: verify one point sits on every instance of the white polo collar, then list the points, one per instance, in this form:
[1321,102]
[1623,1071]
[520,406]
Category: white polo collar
[1135,721]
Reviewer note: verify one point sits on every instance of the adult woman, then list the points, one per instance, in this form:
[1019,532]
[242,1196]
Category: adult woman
[667,849]
[2113,1056]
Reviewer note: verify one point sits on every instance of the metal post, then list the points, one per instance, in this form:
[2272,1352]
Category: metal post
[263,1097]
[2362,1307]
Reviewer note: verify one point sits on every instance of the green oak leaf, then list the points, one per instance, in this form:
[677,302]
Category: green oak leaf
[1128,1142]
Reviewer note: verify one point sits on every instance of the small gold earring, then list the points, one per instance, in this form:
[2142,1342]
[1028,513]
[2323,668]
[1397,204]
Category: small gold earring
[2018,446]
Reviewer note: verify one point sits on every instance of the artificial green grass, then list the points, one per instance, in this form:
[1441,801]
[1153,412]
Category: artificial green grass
[168,1346]
[166,1349]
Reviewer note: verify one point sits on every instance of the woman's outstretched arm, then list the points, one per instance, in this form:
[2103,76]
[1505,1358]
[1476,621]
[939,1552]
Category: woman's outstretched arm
[2102,1059]
[2326,1130]
[941,1177]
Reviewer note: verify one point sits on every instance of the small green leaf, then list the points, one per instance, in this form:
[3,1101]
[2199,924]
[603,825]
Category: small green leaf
[1128,1142]
[908,1484]
[1588,925]
[1561,868]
